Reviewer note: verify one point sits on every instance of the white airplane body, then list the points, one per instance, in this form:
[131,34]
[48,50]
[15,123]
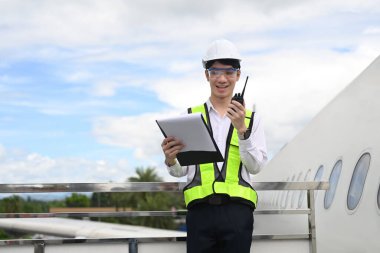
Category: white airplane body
[344,141]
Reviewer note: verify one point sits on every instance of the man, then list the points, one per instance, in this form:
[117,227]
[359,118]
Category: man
[219,197]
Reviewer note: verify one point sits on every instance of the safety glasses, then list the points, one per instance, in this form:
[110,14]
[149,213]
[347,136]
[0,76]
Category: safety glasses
[227,72]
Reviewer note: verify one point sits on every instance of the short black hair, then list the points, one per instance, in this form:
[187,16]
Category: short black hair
[233,62]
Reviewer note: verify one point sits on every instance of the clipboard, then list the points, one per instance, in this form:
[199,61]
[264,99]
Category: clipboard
[192,130]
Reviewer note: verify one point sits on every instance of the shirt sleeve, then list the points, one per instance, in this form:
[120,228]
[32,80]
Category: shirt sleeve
[253,151]
[177,170]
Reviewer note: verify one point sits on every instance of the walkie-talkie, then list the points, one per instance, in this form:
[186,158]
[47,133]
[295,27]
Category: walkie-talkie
[240,97]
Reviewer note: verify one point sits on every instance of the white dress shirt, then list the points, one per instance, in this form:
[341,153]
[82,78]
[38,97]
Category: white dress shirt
[253,151]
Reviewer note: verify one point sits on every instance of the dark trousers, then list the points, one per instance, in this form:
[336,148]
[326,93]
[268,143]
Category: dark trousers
[225,228]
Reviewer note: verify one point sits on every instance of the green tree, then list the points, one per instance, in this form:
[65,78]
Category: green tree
[145,175]
[17,204]
[137,199]
[148,201]
[77,200]
[35,206]
[12,204]
[101,199]
[4,235]
[56,203]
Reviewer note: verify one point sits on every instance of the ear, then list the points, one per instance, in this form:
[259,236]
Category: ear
[238,75]
[207,75]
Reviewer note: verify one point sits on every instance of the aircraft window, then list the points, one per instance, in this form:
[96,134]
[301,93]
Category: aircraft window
[278,198]
[273,199]
[357,181]
[317,178]
[378,198]
[284,197]
[318,175]
[302,195]
[289,193]
[334,179]
[296,193]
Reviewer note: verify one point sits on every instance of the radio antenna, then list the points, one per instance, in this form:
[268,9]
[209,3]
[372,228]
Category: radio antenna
[246,80]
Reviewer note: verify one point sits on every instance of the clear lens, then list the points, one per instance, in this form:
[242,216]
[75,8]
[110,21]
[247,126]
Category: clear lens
[217,72]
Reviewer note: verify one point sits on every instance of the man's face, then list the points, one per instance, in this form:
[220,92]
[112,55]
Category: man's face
[222,79]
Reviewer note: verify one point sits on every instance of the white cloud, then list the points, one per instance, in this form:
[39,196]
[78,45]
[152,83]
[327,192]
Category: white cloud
[11,79]
[2,151]
[105,88]
[78,76]
[92,29]
[184,92]
[22,167]
[372,30]
[139,133]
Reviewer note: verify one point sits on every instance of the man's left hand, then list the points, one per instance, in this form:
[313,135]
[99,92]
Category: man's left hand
[236,113]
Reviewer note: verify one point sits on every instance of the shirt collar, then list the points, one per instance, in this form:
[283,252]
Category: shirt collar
[210,106]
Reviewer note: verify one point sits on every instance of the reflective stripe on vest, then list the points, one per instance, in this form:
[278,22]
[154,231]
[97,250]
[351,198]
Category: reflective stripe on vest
[204,182]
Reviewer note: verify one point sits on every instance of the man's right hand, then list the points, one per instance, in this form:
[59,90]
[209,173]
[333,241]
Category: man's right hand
[171,146]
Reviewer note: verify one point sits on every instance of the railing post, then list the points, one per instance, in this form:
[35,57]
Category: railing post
[39,247]
[312,228]
[133,246]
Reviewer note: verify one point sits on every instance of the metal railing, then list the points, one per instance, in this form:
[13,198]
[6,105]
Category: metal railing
[39,244]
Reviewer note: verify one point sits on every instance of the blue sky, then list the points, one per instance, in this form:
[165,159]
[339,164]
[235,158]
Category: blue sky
[82,82]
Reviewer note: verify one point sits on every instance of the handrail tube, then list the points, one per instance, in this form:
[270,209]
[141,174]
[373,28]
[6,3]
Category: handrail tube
[281,211]
[14,242]
[178,213]
[96,214]
[139,240]
[145,187]
[91,187]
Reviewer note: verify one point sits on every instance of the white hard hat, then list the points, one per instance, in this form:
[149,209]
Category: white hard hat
[221,49]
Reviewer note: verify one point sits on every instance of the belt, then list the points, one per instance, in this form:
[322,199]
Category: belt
[218,199]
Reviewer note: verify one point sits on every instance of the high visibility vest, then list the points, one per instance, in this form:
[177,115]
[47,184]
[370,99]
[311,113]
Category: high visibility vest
[209,180]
